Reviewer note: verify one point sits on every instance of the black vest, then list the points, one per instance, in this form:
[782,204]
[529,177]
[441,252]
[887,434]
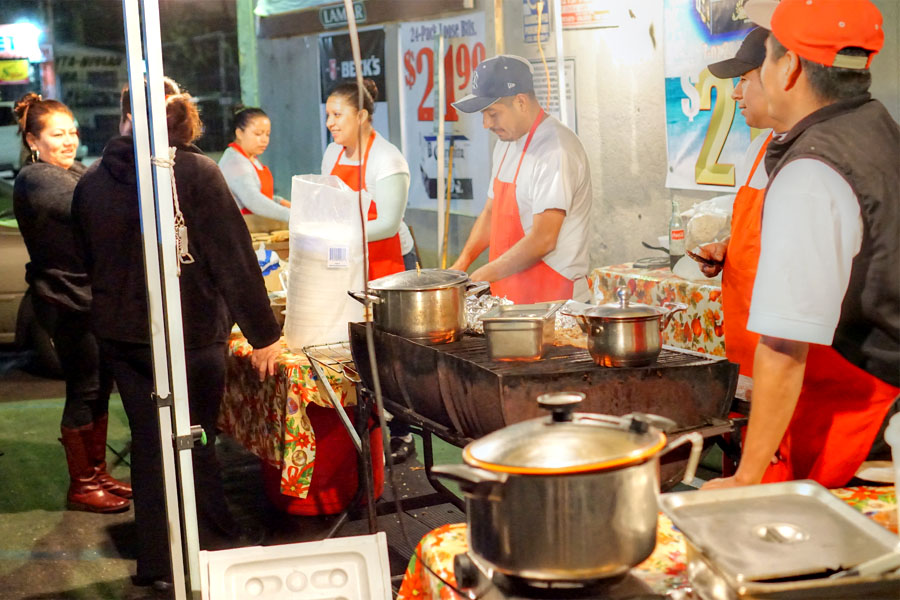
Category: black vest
[859,139]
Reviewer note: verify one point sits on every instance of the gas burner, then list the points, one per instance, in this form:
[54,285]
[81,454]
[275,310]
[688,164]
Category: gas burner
[471,575]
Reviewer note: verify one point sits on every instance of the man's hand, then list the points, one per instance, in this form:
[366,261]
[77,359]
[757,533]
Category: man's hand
[715,251]
[263,359]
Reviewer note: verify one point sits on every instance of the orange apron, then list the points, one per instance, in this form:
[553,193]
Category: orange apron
[540,282]
[266,183]
[739,271]
[840,408]
[385,256]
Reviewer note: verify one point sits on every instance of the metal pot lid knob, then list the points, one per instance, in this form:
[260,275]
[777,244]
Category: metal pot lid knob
[623,295]
[642,422]
[561,404]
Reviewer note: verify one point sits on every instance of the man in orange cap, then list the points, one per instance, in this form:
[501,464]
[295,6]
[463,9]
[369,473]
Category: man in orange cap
[826,299]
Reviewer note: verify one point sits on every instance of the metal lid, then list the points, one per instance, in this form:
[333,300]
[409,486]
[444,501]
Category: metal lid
[566,443]
[623,309]
[421,279]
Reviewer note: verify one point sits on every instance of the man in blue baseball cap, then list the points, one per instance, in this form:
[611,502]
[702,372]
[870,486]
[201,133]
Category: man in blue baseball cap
[536,217]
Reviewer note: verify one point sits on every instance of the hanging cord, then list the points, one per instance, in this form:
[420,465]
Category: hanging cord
[370,336]
[540,11]
[181,232]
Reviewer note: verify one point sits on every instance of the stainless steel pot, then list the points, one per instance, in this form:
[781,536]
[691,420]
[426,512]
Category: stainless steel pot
[622,334]
[425,304]
[572,497]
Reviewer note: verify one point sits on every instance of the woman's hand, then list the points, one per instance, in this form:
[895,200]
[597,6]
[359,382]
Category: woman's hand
[715,251]
[263,359]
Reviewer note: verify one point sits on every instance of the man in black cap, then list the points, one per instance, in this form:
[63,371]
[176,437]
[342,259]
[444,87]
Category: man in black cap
[740,253]
[536,217]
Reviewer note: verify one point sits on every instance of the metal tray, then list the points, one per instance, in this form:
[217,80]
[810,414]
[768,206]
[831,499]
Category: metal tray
[520,331]
[776,531]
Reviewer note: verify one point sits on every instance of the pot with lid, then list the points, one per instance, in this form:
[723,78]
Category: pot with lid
[625,334]
[571,497]
[421,304]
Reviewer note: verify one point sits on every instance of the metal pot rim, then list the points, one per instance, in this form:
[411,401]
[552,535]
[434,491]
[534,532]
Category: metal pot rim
[420,280]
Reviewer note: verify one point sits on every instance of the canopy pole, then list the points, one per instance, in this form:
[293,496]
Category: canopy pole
[163,290]
[560,62]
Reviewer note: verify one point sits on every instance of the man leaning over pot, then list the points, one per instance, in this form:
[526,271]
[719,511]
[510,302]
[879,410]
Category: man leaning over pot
[826,299]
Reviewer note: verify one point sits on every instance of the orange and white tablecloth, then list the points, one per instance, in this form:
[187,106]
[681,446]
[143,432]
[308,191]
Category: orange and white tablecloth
[698,329]
[269,417]
[664,571]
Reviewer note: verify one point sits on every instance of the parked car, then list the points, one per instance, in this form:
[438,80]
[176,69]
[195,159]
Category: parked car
[10,143]
[17,320]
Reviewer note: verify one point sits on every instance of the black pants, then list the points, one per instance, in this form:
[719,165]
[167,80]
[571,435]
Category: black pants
[131,366]
[87,390]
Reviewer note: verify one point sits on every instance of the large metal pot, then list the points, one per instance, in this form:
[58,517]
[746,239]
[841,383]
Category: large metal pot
[422,304]
[572,497]
[624,334]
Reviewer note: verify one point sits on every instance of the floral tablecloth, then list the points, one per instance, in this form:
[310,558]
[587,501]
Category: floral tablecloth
[663,571]
[698,329]
[269,417]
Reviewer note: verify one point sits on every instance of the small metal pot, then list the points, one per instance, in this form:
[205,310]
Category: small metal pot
[567,498]
[424,304]
[623,334]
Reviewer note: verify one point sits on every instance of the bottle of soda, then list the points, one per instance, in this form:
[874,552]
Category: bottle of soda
[676,235]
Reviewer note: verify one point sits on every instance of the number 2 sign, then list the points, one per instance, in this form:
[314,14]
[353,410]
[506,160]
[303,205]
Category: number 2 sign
[705,137]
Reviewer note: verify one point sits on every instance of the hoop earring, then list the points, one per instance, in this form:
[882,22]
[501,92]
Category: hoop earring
[35,155]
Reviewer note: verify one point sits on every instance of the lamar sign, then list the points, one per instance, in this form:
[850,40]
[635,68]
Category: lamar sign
[336,16]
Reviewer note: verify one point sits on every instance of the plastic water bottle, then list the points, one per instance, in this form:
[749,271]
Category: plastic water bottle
[676,235]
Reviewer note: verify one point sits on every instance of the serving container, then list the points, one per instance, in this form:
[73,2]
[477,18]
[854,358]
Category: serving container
[520,331]
[570,497]
[779,540]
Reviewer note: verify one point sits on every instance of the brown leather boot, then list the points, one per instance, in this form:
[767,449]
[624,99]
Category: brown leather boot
[97,450]
[85,492]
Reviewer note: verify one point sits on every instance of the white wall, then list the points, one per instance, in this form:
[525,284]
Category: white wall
[621,120]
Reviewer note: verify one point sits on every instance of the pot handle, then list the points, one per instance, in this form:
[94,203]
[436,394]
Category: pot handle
[477,288]
[696,440]
[475,482]
[364,298]
[673,307]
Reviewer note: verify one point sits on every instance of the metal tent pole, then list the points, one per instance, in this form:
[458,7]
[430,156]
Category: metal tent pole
[163,290]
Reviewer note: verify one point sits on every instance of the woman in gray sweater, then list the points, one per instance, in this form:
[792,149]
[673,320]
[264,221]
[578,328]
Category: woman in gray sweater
[42,200]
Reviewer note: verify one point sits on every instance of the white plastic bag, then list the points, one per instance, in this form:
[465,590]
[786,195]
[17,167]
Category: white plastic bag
[709,221]
[326,261]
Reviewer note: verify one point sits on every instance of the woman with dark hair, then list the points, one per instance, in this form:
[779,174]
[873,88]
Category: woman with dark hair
[385,178]
[222,280]
[42,200]
[249,180]
[382,167]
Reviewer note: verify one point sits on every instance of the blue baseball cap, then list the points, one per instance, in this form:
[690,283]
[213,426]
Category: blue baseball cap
[495,78]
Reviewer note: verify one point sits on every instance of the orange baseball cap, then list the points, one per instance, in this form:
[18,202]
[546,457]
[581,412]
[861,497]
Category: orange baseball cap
[818,30]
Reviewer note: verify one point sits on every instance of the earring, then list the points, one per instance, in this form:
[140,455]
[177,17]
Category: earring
[35,155]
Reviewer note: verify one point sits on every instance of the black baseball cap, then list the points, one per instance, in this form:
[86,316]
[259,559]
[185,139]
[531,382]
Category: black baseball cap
[495,78]
[749,56]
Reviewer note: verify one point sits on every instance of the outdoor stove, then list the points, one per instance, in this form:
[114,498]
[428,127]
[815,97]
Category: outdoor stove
[455,391]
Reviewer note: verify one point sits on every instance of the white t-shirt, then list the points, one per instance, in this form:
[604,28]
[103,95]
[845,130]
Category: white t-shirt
[811,230]
[385,159]
[243,181]
[554,174]
[760,177]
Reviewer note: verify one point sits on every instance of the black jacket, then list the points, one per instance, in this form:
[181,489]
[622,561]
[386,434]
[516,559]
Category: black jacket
[859,139]
[42,201]
[223,280]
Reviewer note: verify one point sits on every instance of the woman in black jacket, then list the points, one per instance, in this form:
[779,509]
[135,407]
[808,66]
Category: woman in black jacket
[223,284]
[42,200]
